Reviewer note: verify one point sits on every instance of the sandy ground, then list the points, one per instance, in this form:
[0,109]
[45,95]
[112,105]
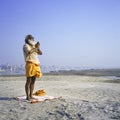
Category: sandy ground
[83,98]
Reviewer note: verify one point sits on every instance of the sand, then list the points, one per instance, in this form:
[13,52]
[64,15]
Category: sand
[83,98]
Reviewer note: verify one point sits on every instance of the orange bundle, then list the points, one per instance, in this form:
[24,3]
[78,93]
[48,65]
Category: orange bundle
[40,93]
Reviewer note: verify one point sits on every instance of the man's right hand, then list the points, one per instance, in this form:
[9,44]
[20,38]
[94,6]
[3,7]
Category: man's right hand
[36,49]
[37,45]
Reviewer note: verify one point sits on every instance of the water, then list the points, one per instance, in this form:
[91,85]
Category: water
[112,77]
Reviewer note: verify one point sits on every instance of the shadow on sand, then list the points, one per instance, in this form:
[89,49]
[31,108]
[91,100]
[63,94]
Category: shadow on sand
[6,98]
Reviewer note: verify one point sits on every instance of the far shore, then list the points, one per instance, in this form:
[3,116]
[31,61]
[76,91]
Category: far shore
[88,72]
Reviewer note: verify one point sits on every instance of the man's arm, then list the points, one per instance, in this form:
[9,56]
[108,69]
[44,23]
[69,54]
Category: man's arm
[36,49]
[29,51]
[32,50]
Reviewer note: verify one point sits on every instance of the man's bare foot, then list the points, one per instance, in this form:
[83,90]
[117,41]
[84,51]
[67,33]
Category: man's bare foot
[33,98]
[27,98]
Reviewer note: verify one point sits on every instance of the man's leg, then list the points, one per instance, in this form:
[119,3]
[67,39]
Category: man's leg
[27,87]
[32,86]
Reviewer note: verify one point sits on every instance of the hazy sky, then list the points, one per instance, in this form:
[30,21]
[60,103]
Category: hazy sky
[71,32]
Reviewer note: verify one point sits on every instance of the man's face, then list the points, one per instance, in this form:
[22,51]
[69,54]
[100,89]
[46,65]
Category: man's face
[32,39]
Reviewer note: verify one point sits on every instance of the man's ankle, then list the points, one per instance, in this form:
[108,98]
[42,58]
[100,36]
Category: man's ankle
[27,98]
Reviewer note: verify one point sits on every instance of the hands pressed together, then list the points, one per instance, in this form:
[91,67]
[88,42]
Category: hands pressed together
[37,48]
[37,45]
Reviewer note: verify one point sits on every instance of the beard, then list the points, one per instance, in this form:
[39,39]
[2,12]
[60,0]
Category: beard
[31,42]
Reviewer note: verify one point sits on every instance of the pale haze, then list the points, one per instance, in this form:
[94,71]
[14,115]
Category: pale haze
[71,32]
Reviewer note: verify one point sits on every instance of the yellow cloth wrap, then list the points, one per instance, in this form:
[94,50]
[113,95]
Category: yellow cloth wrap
[33,70]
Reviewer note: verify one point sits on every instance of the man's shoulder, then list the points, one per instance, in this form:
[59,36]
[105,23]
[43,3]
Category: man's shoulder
[25,45]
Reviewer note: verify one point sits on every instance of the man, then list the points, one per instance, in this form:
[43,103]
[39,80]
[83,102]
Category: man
[31,51]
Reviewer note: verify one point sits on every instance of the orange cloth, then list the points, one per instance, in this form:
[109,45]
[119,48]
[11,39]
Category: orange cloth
[33,70]
[40,93]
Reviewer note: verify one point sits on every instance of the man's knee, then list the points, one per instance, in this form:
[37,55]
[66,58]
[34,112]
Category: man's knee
[28,81]
[33,80]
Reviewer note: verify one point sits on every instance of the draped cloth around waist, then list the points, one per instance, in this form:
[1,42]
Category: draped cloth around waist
[33,70]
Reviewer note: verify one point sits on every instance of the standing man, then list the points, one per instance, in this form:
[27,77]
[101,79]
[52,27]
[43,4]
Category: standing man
[31,51]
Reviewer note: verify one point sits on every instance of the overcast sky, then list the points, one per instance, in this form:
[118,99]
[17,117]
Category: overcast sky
[71,32]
